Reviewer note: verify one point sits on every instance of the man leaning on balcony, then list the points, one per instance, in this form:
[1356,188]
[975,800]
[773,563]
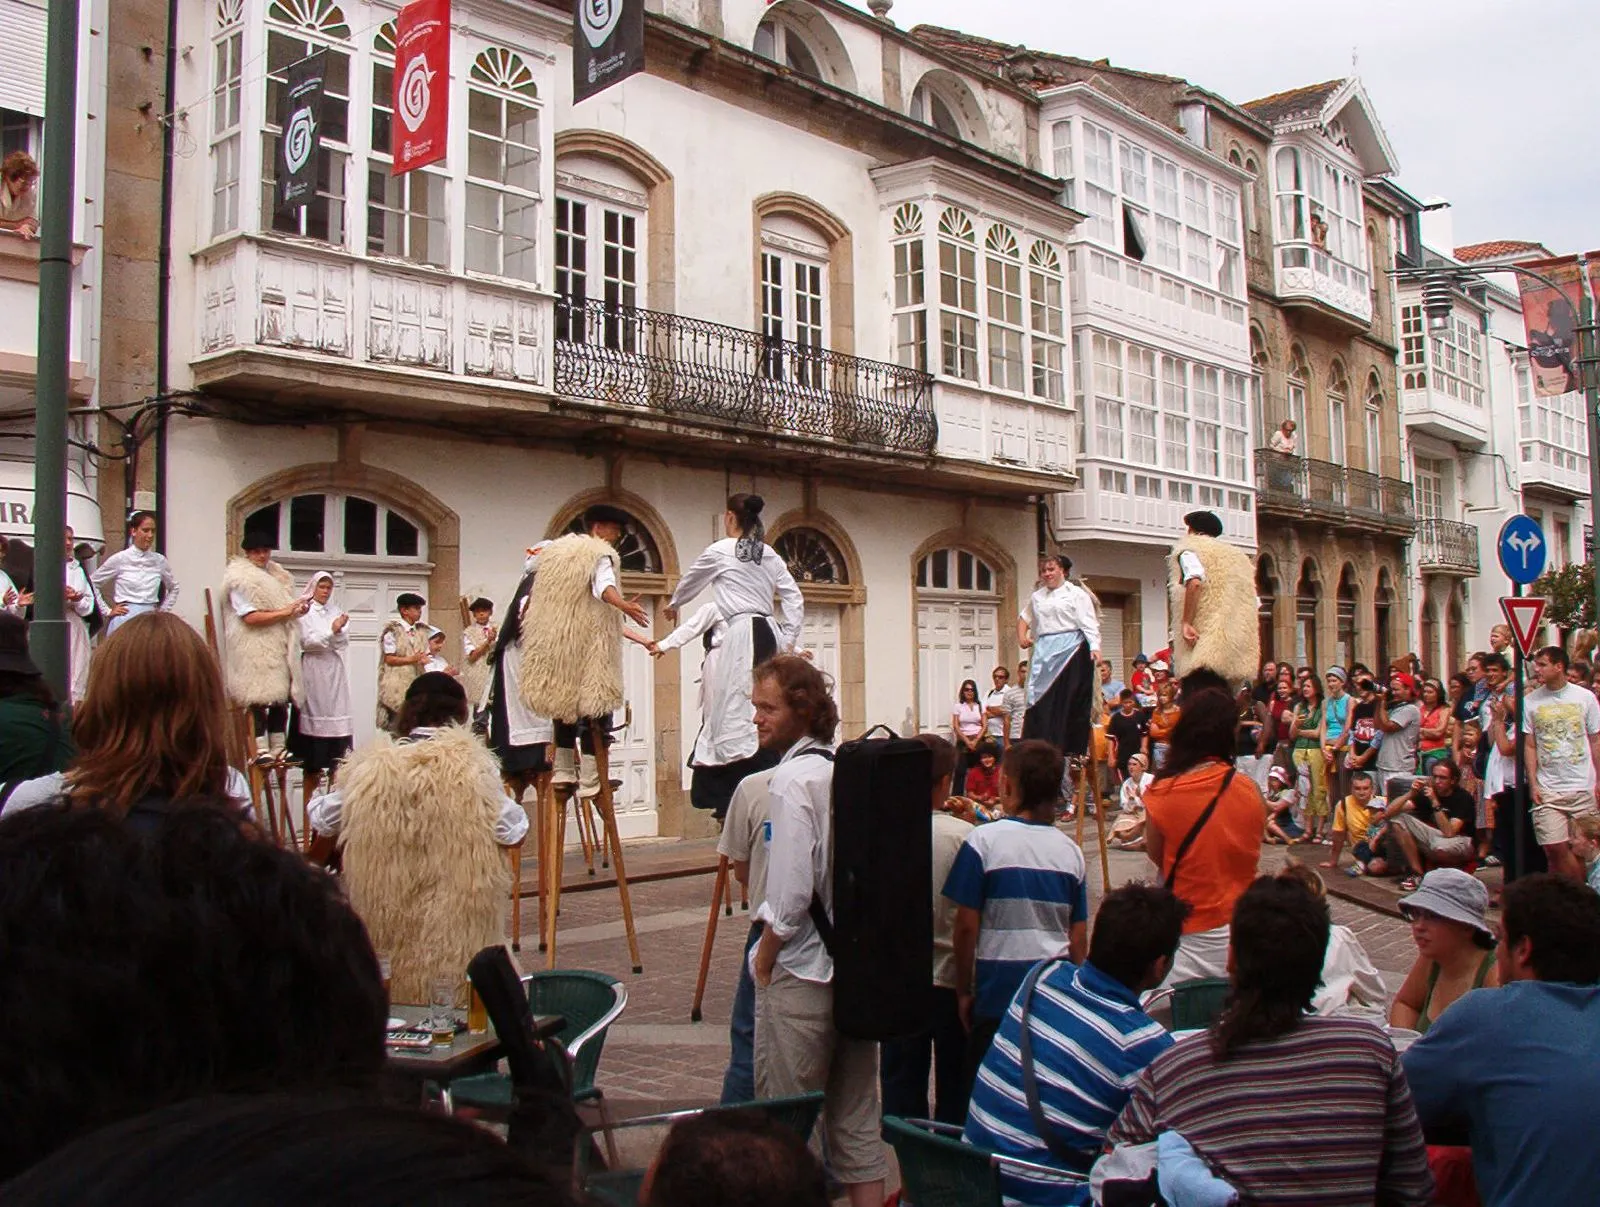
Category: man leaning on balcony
[1285,446]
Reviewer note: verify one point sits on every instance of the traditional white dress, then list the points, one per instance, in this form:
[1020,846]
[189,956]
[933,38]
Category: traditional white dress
[323,673]
[1061,677]
[77,613]
[743,592]
[136,578]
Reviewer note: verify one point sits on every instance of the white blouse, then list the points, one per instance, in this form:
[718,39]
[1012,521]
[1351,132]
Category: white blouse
[139,575]
[745,587]
[316,629]
[1066,608]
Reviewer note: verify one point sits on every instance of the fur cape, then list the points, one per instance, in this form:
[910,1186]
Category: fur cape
[475,675]
[421,865]
[262,663]
[571,641]
[393,680]
[1230,643]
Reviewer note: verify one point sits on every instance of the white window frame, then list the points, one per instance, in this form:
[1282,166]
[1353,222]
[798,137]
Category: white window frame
[959,318]
[406,198]
[335,206]
[1413,348]
[1047,333]
[493,250]
[227,138]
[1003,310]
[794,310]
[1456,352]
[604,250]
[910,300]
[1144,408]
[1109,397]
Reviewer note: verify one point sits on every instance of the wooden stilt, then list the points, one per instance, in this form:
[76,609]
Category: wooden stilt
[515,854]
[719,887]
[608,818]
[548,869]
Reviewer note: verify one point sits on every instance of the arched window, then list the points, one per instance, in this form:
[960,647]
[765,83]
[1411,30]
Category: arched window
[340,525]
[958,294]
[227,96]
[1002,263]
[931,109]
[1374,424]
[1345,604]
[794,299]
[1338,395]
[782,41]
[812,557]
[1430,631]
[1266,604]
[295,29]
[1046,322]
[1307,613]
[503,170]
[1252,214]
[1258,383]
[1384,609]
[636,548]
[956,570]
[958,628]
[910,289]
[1296,389]
[406,215]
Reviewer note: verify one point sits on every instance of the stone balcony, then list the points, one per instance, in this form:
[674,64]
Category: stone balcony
[1300,488]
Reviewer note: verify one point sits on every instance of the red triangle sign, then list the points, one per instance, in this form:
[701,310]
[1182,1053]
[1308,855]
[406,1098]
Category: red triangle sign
[1525,615]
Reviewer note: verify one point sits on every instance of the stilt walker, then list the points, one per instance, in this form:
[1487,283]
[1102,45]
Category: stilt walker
[1059,623]
[1211,588]
[571,671]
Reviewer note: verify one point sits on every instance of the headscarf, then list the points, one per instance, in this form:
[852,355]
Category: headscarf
[311,587]
[752,542]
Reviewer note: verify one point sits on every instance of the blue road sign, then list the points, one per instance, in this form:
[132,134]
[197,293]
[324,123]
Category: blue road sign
[1523,549]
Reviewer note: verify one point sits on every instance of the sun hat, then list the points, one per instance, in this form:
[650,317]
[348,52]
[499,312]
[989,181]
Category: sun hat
[1159,665]
[1138,658]
[1278,773]
[1453,894]
[1339,673]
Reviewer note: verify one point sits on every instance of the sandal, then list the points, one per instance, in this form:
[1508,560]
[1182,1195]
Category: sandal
[1409,884]
[1491,861]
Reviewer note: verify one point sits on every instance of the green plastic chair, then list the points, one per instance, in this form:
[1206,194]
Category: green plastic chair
[939,1169]
[589,1002]
[1196,1003]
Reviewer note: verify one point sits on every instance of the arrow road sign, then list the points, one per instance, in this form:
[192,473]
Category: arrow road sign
[1525,615]
[1522,549]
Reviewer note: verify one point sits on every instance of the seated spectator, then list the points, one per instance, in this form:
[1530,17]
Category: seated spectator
[1127,832]
[147,966]
[1429,826]
[1019,885]
[1199,805]
[1455,947]
[1356,815]
[1519,1068]
[152,730]
[904,1064]
[33,734]
[429,905]
[1283,799]
[266,1150]
[733,1159]
[1285,1106]
[1351,983]
[1586,846]
[1088,1039]
[983,778]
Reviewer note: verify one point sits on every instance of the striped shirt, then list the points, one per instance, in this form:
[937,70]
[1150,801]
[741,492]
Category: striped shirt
[1322,1115]
[1090,1043]
[1026,880]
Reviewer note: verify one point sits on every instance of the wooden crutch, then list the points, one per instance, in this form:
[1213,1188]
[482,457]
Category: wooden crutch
[719,886]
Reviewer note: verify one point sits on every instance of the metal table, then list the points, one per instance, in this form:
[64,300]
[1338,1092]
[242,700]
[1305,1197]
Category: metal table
[465,1055]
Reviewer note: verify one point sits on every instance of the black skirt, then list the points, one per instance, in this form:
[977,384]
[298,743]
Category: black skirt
[315,754]
[1061,716]
[712,788]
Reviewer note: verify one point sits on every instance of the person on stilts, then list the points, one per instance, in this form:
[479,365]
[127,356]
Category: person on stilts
[1211,589]
[519,737]
[744,574]
[262,654]
[1060,625]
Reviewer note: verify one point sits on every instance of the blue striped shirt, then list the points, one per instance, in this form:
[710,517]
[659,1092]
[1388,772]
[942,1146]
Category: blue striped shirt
[1090,1043]
[1027,881]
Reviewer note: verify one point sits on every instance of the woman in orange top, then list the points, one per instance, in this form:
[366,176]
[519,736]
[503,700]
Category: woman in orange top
[1210,871]
[1162,721]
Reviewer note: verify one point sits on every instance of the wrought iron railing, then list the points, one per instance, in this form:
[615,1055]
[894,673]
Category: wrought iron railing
[690,368]
[1301,486]
[1448,546]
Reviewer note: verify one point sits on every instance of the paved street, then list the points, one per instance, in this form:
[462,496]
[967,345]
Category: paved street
[656,1058]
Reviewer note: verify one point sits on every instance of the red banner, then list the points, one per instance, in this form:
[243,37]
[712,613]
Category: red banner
[421,84]
[1550,319]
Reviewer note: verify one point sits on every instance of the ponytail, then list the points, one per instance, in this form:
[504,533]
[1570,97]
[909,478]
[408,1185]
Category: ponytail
[746,509]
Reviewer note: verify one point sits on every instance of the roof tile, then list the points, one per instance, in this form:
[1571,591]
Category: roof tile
[1495,248]
[1297,102]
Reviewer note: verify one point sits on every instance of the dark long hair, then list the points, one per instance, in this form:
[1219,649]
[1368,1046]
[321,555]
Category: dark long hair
[432,699]
[511,630]
[1207,728]
[961,692]
[752,533]
[1279,938]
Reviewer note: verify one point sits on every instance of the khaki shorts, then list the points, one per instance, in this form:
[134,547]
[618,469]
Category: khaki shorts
[1432,843]
[1552,821]
[798,1051]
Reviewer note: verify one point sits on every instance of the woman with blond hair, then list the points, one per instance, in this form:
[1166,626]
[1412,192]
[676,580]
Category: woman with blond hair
[152,731]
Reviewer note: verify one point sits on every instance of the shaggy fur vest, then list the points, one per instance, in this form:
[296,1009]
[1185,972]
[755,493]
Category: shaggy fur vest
[1230,643]
[393,680]
[475,675]
[263,661]
[571,641]
[421,865]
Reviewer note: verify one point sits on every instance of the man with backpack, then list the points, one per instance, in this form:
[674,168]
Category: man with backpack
[798,1049]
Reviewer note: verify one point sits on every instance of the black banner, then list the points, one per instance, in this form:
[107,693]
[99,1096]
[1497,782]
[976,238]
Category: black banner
[300,119]
[607,44]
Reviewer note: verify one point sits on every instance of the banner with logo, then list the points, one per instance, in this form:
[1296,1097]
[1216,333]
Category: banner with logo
[421,84]
[1550,319]
[607,44]
[300,119]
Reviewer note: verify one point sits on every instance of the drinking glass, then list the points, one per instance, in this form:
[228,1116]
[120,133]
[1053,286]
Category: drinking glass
[442,1009]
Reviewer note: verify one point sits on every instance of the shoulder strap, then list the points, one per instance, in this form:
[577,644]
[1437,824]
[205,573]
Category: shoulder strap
[1194,830]
[819,915]
[1074,1158]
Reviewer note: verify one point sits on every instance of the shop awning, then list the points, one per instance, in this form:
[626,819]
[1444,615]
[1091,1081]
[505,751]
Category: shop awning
[16,505]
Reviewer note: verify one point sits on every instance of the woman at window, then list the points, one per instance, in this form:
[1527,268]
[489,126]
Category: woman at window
[966,730]
[1436,738]
[136,579]
[1061,625]
[323,729]
[1309,760]
[743,573]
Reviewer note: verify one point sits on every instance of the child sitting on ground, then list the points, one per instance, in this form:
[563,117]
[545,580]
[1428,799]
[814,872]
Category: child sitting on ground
[1282,800]
[1127,833]
[1586,846]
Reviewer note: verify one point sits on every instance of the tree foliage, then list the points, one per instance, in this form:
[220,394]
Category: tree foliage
[1570,591]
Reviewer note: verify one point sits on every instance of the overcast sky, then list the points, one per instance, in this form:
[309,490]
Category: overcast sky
[1482,106]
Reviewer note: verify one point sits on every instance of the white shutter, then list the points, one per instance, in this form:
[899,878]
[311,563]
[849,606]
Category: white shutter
[1111,640]
[22,82]
[819,634]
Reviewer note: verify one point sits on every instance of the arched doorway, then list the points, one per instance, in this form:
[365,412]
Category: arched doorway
[823,561]
[1267,606]
[958,629]
[1307,615]
[651,706]
[1430,634]
[1456,641]
[1346,603]
[1384,606]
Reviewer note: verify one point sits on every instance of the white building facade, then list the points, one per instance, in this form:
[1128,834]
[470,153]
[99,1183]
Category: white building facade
[1164,382]
[800,255]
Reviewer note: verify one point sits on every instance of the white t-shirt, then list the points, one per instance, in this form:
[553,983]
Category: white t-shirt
[1190,567]
[1562,722]
[997,699]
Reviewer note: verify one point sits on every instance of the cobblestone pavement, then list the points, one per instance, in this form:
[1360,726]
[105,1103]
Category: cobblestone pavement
[655,1058]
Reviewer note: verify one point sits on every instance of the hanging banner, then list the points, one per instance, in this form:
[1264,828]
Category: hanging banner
[607,44]
[1550,319]
[421,84]
[300,119]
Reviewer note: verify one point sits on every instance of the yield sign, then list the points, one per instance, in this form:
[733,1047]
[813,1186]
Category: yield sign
[1524,613]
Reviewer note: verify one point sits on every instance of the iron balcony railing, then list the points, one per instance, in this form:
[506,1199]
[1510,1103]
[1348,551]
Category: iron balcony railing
[1302,487]
[689,368]
[1447,547]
